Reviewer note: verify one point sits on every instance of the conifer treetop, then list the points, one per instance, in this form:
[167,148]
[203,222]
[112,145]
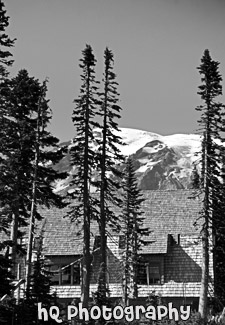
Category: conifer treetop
[5,42]
[211,79]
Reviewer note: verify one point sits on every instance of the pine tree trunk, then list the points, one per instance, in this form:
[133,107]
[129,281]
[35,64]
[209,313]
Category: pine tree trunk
[205,230]
[126,273]
[86,265]
[86,250]
[215,245]
[129,243]
[14,228]
[135,260]
[33,205]
[13,238]
[205,273]
[212,122]
[103,261]
[30,241]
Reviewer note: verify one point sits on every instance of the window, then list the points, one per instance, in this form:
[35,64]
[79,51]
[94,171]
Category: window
[149,273]
[55,274]
[76,273]
[154,274]
[142,273]
[65,276]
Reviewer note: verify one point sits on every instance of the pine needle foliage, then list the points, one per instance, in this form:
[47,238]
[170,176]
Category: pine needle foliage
[7,304]
[109,155]
[5,61]
[195,178]
[17,147]
[218,229]
[134,231]
[5,43]
[211,124]
[6,277]
[83,158]
[27,311]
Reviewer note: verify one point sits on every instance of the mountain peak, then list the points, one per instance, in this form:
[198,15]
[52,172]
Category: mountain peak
[160,162]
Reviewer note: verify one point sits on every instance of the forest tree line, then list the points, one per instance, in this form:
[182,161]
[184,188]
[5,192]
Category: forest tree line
[27,179]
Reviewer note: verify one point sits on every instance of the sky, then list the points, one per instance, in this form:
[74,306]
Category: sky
[157,46]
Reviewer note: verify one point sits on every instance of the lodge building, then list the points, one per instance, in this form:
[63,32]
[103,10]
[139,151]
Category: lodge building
[171,261]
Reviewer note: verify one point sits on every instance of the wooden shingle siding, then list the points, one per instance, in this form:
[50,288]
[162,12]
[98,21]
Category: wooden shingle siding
[165,212]
[174,241]
[75,291]
[175,244]
[180,271]
[67,291]
[183,262]
[114,267]
[170,212]
[170,289]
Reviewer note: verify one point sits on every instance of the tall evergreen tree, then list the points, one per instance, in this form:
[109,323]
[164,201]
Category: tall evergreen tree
[18,143]
[109,155]
[5,61]
[42,119]
[218,230]
[5,264]
[133,231]
[211,125]
[34,188]
[83,158]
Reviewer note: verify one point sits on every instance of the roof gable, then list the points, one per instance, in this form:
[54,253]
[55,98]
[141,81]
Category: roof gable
[165,212]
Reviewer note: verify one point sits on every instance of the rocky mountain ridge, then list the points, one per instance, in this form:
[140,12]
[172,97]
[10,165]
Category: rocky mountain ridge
[161,162]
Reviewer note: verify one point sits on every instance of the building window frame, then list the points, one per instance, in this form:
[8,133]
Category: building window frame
[150,273]
[65,277]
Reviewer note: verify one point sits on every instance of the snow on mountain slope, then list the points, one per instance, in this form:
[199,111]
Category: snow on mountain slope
[160,162]
[187,144]
[135,139]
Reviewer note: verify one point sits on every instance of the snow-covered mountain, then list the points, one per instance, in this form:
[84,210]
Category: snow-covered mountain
[161,162]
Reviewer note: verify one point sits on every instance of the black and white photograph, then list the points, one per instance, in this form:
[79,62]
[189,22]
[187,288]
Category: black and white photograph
[112,162]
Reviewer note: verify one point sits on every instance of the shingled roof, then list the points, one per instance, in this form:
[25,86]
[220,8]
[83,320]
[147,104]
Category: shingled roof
[174,212]
[165,212]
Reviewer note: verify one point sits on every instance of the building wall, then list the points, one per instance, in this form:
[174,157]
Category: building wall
[183,260]
[180,270]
